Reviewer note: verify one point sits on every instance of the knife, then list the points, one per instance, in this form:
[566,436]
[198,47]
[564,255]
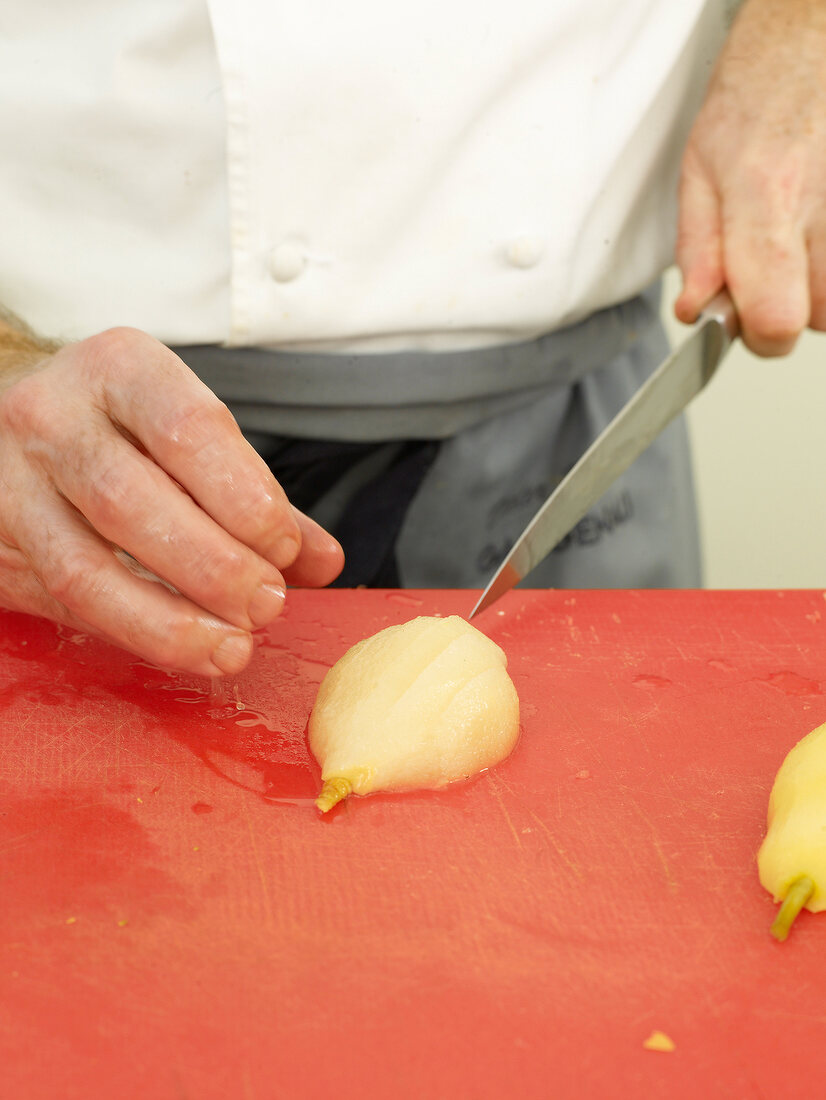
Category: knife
[635,427]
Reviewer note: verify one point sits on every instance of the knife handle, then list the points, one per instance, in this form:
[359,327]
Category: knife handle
[721,308]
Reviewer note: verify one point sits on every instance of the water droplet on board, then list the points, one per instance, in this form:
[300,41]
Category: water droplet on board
[253,717]
[217,691]
[651,682]
[721,664]
[790,683]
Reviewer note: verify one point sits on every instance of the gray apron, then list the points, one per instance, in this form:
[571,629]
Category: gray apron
[427,466]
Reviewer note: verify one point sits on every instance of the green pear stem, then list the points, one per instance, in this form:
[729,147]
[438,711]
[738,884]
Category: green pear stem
[796,897]
[332,792]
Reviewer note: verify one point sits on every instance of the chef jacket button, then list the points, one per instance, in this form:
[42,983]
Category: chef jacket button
[524,252]
[287,261]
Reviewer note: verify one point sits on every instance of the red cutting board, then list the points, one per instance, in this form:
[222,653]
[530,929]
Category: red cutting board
[177,921]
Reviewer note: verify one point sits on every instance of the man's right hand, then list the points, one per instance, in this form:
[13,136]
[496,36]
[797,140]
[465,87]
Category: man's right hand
[113,443]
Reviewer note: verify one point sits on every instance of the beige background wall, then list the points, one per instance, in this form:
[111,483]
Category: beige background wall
[759,437]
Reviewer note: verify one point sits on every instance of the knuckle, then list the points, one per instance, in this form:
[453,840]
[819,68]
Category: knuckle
[757,176]
[196,421]
[775,183]
[24,408]
[109,495]
[114,353]
[271,523]
[68,576]
[115,345]
[213,569]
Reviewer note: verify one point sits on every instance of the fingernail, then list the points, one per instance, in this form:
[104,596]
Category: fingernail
[233,653]
[266,604]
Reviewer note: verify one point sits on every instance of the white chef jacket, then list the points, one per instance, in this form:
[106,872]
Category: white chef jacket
[364,176]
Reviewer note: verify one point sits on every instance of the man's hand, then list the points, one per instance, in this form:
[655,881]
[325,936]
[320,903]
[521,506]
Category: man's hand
[753,187]
[113,443]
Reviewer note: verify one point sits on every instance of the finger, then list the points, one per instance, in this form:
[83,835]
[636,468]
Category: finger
[699,252]
[22,590]
[193,436]
[133,504]
[817,277]
[321,558]
[767,271]
[79,572]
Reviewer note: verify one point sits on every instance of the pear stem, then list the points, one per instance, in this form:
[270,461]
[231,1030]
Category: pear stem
[332,792]
[796,897]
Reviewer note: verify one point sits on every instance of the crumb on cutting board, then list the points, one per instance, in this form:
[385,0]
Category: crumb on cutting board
[658,1040]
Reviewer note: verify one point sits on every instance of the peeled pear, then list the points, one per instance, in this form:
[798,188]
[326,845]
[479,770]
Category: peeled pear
[792,859]
[417,705]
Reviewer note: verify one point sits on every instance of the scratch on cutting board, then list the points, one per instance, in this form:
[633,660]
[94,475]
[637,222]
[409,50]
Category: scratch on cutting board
[655,840]
[711,940]
[560,851]
[784,1014]
[43,742]
[28,716]
[265,892]
[669,877]
[82,756]
[755,645]
[492,783]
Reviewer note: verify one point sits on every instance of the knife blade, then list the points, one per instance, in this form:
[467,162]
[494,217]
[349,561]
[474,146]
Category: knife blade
[635,427]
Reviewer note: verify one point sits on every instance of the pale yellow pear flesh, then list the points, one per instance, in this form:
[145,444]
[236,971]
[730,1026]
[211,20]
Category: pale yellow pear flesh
[795,844]
[416,706]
